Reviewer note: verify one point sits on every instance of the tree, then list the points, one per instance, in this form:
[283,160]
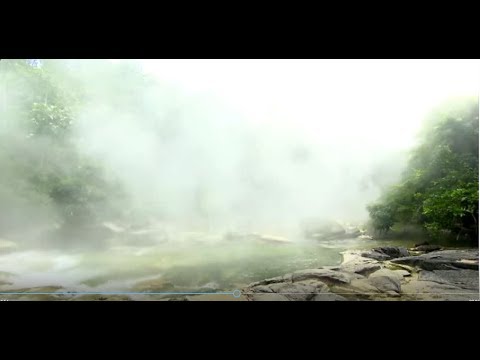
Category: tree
[439,189]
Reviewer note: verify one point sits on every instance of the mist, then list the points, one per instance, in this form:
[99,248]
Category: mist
[261,145]
[210,147]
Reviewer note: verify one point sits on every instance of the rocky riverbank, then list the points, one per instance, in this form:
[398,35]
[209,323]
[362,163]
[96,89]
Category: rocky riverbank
[383,273]
[387,273]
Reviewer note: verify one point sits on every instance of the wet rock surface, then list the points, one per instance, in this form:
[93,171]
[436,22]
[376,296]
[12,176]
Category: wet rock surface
[386,273]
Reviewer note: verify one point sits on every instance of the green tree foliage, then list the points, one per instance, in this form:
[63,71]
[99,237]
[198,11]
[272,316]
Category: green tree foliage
[439,189]
[41,166]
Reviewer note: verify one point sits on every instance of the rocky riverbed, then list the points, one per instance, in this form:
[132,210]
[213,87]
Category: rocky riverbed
[385,273]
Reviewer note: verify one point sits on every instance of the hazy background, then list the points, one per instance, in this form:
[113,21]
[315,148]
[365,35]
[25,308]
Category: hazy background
[266,143]
[205,146]
[258,145]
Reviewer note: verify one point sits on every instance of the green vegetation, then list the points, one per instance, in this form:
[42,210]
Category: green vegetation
[44,176]
[439,189]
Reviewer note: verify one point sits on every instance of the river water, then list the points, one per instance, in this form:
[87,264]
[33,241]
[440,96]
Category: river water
[205,267]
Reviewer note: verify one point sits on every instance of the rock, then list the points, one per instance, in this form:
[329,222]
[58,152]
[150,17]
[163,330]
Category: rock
[393,266]
[421,244]
[284,278]
[262,289]
[301,291]
[465,279]
[273,239]
[266,238]
[361,268]
[443,260]
[427,248]
[388,273]
[365,237]
[430,290]
[386,281]
[325,275]
[324,230]
[210,286]
[433,276]
[385,253]
[403,273]
[357,289]
[386,284]
[298,291]
[328,297]
[354,262]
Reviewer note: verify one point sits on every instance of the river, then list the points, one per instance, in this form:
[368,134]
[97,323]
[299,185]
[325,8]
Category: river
[204,267]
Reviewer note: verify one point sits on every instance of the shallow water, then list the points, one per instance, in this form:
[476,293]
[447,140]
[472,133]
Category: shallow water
[173,267]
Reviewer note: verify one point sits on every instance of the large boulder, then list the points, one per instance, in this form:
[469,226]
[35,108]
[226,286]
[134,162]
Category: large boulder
[325,230]
[386,253]
[354,262]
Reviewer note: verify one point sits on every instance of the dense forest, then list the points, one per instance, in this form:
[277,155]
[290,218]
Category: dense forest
[439,189]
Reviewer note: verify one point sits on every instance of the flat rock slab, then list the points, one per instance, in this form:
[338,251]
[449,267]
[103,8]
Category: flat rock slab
[357,289]
[274,280]
[385,253]
[328,297]
[430,290]
[427,248]
[465,279]
[297,291]
[443,260]
[361,268]
[325,275]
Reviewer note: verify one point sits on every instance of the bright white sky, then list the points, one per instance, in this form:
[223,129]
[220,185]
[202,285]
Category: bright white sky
[328,100]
